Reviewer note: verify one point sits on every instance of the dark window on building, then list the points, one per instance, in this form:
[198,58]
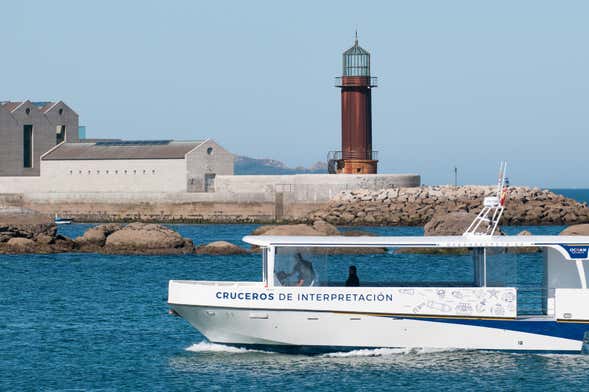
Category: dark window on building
[59,134]
[28,146]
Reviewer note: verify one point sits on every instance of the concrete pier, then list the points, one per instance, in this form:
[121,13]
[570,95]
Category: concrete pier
[236,199]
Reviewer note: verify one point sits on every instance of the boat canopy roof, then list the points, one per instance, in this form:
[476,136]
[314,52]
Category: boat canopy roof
[419,241]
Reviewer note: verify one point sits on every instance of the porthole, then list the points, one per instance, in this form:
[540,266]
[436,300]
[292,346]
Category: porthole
[210,151]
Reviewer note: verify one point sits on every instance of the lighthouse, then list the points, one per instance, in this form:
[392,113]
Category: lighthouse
[356,84]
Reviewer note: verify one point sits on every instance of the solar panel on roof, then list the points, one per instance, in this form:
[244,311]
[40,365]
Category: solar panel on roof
[40,104]
[134,143]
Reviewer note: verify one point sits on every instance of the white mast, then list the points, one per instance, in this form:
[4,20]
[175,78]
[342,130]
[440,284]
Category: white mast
[493,207]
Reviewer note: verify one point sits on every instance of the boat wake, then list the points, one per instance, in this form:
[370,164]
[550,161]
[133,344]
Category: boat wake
[208,347]
[383,352]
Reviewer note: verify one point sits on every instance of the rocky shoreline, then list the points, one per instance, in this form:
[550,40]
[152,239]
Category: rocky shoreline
[417,206]
[28,231]
[25,231]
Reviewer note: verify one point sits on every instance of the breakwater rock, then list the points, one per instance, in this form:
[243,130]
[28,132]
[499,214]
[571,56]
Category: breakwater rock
[417,206]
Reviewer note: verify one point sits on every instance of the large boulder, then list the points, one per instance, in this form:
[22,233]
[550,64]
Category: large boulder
[300,229]
[20,245]
[20,242]
[319,228]
[453,223]
[221,248]
[96,236]
[326,228]
[524,249]
[444,224]
[147,238]
[582,229]
[357,233]
[16,222]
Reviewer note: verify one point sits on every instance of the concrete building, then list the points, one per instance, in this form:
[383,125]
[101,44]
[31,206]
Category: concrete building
[134,166]
[30,129]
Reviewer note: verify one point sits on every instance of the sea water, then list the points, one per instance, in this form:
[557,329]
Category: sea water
[71,322]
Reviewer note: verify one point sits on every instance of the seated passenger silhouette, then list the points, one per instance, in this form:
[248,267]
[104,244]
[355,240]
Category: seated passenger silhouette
[353,280]
[304,271]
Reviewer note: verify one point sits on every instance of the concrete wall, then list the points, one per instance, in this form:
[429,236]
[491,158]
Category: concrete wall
[312,187]
[208,158]
[154,206]
[139,175]
[44,135]
[236,199]
[12,185]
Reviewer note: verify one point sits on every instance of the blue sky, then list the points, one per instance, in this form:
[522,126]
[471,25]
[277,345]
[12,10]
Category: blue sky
[463,83]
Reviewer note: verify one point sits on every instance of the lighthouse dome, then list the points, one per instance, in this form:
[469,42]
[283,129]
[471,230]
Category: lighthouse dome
[356,61]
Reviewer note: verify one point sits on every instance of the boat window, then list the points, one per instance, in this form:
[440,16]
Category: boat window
[294,266]
[402,267]
[524,271]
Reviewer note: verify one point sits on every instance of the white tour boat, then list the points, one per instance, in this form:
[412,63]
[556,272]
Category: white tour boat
[297,305]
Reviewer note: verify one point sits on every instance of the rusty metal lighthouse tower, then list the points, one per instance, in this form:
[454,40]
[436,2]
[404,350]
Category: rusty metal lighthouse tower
[356,83]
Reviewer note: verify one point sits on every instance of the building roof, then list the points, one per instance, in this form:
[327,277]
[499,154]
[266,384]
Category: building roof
[119,149]
[10,105]
[43,106]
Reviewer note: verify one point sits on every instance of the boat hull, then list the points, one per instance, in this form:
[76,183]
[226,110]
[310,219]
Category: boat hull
[319,331]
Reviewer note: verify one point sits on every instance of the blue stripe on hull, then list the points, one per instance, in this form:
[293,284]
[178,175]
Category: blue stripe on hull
[566,330]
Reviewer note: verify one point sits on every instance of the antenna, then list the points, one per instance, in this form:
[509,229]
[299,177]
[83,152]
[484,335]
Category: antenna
[455,176]
[493,207]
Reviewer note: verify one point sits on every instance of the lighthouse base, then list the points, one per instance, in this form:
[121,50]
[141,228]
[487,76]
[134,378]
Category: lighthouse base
[356,166]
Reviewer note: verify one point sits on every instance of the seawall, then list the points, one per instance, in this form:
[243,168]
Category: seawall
[236,199]
[393,206]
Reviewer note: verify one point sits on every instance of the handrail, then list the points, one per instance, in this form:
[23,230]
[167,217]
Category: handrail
[358,81]
[339,155]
